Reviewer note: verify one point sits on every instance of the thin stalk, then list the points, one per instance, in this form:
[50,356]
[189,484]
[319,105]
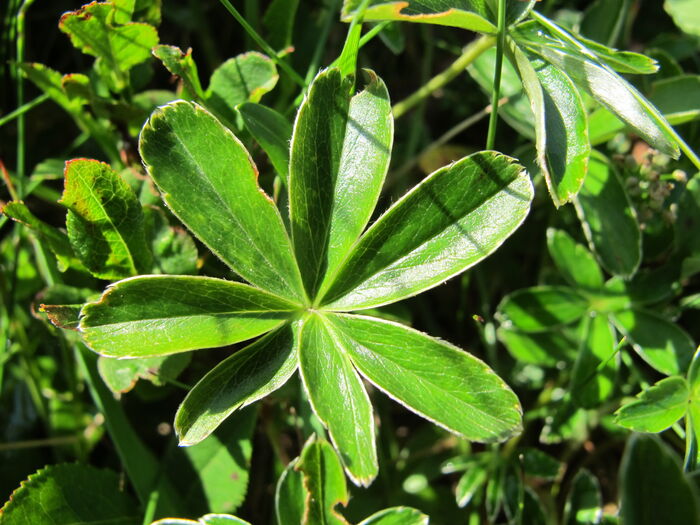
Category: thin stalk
[21,13]
[369,35]
[321,43]
[470,53]
[263,45]
[691,446]
[23,109]
[496,91]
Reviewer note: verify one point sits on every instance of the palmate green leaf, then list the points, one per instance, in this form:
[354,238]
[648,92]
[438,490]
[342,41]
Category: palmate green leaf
[430,377]
[189,312]
[241,379]
[574,262]
[338,398]
[541,308]
[396,516]
[70,493]
[340,154]
[290,496]
[661,343]
[105,222]
[324,484]
[174,251]
[244,78]
[121,47]
[466,14]
[561,125]
[653,487]
[221,202]
[656,408]
[272,131]
[545,349]
[595,369]
[452,220]
[582,66]
[608,219]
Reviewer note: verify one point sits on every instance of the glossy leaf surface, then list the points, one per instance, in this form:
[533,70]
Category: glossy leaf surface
[68,493]
[290,495]
[396,516]
[465,14]
[181,65]
[190,312]
[430,377]
[339,156]
[657,407]
[241,379]
[105,222]
[209,181]
[608,219]
[661,343]
[453,219]
[338,398]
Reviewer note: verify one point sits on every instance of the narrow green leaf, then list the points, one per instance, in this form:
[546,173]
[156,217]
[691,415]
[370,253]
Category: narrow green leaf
[608,219]
[466,14]
[105,221]
[678,98]
[279,22]
[243,378]
[56,240]
[181,65]
[207,519]
[272,131]
[595,369]
[604,20]
[430,377]
[210,183]
[339,157]
[332,383]
[541,465]
[324,484]
[69,493]
[397,516]
[290,496]
[653,487]
[121,47]
[347,61]
[656,408]
[622,61]
[573,260]
[244,78]
[470,483]
[121,375]
[541,308]
[564,148]
[188,313]
[456,217]
[661,343]
[584,503]
[606,86]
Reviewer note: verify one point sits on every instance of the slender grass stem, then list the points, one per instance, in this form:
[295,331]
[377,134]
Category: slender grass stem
[263,45]
[23,109]
[21,13]
[470,53]
[496,90]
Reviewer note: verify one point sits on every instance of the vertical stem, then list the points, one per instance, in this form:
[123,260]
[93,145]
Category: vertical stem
[691,446]
[496,92]
[20,96]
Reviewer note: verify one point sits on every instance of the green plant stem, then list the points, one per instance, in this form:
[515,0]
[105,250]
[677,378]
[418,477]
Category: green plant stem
[691,447]
[321,42]
[263,45]
[23,109]
[21,13]
[470,53]
[496,90]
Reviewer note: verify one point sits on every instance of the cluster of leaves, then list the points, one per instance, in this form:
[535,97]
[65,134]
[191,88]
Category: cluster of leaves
[317,278]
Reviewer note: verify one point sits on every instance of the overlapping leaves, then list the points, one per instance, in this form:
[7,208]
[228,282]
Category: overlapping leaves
[302,285]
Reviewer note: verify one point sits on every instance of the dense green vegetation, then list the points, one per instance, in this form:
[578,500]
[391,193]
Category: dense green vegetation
[292,238]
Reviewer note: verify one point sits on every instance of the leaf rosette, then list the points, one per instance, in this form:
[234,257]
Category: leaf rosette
[305,279]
